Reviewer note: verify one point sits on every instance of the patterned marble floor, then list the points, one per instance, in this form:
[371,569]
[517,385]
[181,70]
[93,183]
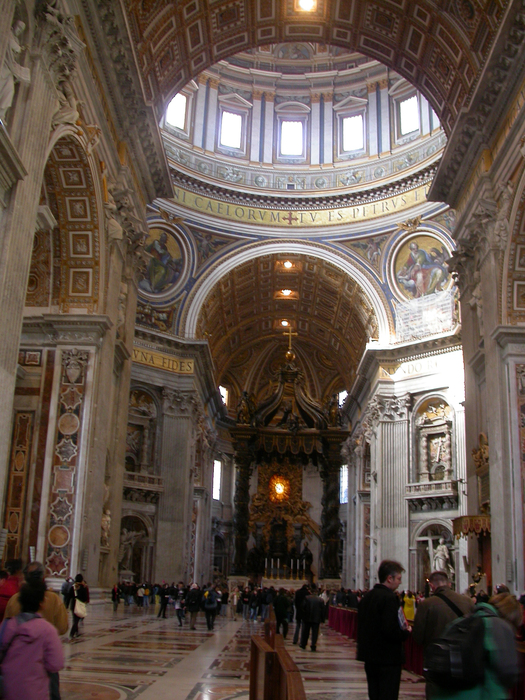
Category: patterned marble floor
[132,654]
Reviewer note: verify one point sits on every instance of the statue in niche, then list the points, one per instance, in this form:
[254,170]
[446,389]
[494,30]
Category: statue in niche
[246,408]
[333,412]
[441,559]
[128,539]
[68,113]
[12,72]
[105,527]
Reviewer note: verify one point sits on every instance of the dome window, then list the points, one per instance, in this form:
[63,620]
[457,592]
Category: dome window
[409,115]
[231,129]
[353,133]
[176,112]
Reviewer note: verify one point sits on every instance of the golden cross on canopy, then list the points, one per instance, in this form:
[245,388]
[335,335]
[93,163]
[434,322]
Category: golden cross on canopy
[289,334]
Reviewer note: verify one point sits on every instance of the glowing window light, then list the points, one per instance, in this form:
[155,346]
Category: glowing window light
[353,137]
[291,138]
[307,5]
[231,130]
[286,292]
[409,115]
[288,264]
[176,112]
[284,323]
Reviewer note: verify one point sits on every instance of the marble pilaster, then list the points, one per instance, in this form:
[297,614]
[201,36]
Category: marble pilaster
[177,455]
[328,129]
[255,144]
[211,116]
[200,107]
[268,127]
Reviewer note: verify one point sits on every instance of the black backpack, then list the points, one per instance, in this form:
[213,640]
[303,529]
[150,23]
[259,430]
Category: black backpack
[456,661]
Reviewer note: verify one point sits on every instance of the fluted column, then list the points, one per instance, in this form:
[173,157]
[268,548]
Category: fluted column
[392,433]
[177,457]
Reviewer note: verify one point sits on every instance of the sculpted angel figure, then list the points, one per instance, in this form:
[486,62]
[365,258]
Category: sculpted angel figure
[11,71]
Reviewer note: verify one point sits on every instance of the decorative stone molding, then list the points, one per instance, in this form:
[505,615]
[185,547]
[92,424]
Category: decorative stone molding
[388,408]
[69,329]
[109,33]
[475,127]
[60,43]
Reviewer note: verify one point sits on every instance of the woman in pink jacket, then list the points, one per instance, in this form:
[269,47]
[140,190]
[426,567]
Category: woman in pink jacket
[31,649]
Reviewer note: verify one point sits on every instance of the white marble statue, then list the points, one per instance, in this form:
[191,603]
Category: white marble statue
[12,72]
[442,557]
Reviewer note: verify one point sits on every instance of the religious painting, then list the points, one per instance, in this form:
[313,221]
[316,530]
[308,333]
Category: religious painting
[420,268]
[165,263]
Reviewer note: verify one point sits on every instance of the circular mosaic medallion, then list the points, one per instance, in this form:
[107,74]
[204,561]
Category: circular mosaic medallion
[94,691]
[58,536]
[68,423]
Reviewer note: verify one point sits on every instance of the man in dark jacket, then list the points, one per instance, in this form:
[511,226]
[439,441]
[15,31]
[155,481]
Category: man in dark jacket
[313,615]
[381,631]
[193,603]
[299,599]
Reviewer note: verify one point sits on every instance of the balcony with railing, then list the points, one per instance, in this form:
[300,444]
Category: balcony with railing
[432,495]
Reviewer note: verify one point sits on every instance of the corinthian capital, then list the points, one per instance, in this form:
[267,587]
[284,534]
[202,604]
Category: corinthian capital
[388,408]
[179,403]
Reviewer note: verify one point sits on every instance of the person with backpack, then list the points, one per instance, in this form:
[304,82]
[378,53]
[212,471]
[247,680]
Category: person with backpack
[434,614]
[476,657]
[210,606]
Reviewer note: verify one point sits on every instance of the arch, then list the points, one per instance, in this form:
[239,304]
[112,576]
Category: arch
[371,289]
[65,272]
[398,35]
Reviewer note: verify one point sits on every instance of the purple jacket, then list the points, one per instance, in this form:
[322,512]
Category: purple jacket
[34,651]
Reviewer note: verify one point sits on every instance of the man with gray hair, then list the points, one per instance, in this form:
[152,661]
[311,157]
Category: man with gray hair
[51,609]
[434,614]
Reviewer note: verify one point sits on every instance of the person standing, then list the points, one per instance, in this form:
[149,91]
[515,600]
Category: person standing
[79,591]
[210,606]
[180,602]
[11,585]
[31,647]
[299,599]
[51,609]
[281,606]
[164,595]
[193,603]
[233,601]
[313,615]
[115,597]
[381,631]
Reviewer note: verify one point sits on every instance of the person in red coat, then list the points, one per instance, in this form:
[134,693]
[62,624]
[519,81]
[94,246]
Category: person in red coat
[12,584]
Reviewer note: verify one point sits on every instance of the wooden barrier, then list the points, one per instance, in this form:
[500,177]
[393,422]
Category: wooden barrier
[273,673]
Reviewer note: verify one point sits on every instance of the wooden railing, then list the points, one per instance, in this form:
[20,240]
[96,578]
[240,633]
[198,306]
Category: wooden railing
[273,673]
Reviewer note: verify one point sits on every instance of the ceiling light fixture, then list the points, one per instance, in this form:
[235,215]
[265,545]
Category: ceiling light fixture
[307,5]
[284,323]
[286,292]
[288,264]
